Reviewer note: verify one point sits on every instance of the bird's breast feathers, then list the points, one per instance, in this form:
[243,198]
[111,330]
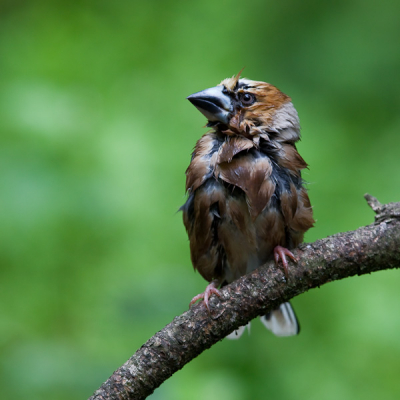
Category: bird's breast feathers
[242,200]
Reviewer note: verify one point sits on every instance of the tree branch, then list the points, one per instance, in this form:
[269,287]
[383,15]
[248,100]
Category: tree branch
[371,248]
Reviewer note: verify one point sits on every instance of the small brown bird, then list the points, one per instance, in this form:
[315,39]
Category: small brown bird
[246,200]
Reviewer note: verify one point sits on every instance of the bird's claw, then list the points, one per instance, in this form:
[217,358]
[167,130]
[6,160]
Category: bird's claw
[210,289]
[281,253]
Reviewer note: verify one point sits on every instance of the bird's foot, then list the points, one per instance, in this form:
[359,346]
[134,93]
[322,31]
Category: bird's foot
[210,289]
[281,253]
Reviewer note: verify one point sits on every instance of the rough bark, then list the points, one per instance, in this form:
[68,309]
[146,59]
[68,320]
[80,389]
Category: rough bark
[365,250]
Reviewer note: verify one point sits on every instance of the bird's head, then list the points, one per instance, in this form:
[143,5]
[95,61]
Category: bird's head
[253,109]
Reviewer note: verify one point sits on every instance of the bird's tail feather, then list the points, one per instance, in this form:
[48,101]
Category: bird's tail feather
[281,322]
[239,332]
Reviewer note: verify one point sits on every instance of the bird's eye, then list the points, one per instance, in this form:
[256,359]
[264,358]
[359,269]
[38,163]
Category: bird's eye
[247,99]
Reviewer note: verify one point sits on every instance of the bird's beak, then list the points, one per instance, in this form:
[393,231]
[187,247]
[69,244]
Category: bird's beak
[213,104]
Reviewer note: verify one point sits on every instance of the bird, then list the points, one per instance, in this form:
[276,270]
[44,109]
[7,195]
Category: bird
[246,200]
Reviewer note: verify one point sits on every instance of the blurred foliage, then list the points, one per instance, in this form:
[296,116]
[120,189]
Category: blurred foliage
[95,137]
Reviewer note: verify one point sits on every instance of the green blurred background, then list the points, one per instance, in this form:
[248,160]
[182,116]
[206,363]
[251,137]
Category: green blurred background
[96,135]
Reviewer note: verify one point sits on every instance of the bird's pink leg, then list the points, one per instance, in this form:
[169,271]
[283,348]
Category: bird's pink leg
[281,253]
[210,289]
